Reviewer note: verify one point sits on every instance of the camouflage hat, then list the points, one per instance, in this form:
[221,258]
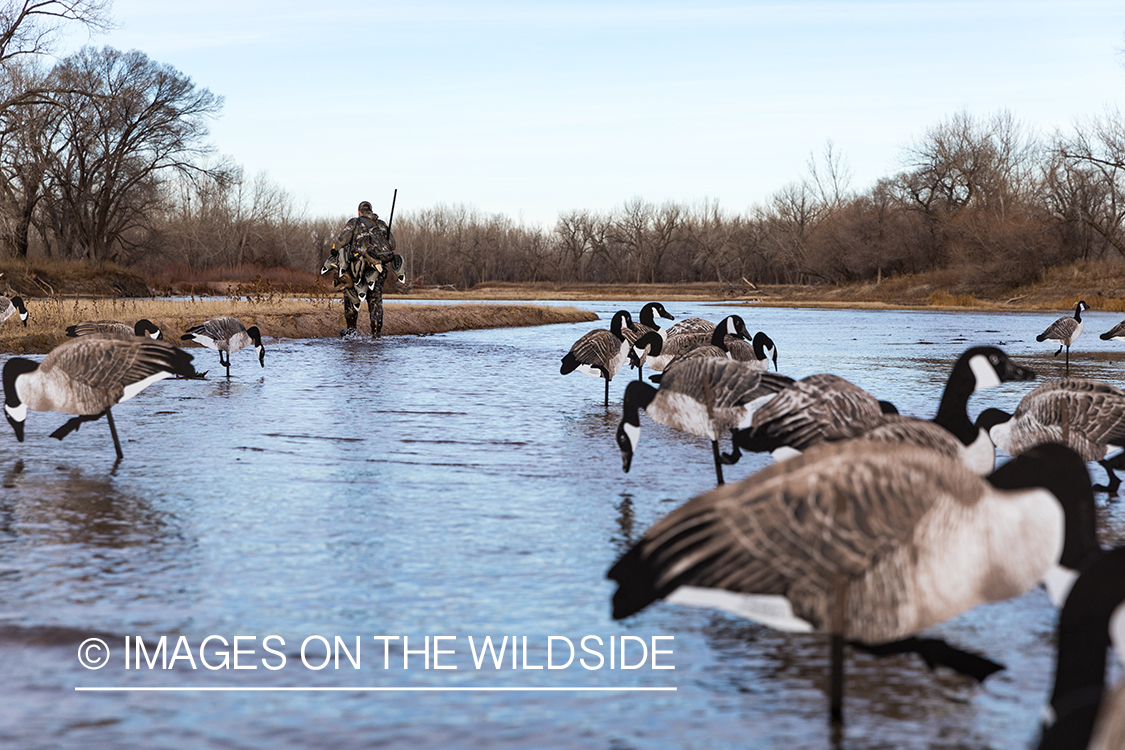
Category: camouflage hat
[364,207]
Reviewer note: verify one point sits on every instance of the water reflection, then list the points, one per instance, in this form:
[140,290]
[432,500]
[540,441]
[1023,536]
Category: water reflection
[70,506]
[626,523]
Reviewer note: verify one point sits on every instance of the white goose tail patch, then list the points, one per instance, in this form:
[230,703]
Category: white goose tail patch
[134,388]
[768,609]
[984,372]
[784,453]
[589,370]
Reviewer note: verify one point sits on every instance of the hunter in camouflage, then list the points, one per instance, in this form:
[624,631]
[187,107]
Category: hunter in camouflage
[362,256]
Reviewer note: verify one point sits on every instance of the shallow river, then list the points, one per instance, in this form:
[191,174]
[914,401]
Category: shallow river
[454,485]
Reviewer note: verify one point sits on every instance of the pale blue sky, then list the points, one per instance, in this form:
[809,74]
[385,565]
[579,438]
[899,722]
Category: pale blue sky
[533,108]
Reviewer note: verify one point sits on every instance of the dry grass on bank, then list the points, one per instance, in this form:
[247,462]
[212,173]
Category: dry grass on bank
[48,319]
[1100,283]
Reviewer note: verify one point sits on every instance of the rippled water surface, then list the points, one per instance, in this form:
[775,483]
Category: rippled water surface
[455,485]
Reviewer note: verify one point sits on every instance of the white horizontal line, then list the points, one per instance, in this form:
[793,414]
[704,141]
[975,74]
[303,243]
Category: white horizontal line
[374,689]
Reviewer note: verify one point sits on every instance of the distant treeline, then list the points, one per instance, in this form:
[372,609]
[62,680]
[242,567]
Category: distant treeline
[103,156]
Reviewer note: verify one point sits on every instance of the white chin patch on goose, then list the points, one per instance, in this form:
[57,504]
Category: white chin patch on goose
[984,372]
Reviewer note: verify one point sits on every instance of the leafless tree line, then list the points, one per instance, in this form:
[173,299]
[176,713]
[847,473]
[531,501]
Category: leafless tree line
[981,196]
[105,156]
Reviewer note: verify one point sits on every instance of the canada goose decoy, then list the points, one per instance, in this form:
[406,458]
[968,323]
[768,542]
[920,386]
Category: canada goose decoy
[143,327]
[705,396]
[649,345]
[691,325]
[646,321]
[712,344]
[758,352]
[646,325]
[813,410]
[227,335]
[1083,712]
[1088,416]
[869,544]
[1066,331]
[824,407]
[87,376]
[9,306]
[1117,333]
[601,353]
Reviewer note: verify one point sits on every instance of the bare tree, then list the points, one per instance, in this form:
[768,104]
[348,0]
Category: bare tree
[30,29]
[24,149]
[126,122]
[1093,161]
[832,182]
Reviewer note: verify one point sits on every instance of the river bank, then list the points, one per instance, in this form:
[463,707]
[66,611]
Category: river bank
[289,304]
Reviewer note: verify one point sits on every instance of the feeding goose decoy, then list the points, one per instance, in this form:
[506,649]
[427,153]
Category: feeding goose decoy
[227,335]
[1066,331]
[87,376]
[601,353]
[1088,416]
[704,396]
[143,327]
[825,407]
[1117,333]
[9,306]
[1083,712]
[869,544]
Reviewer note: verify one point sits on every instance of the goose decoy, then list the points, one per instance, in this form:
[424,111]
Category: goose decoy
[143,327]
[1088,416]
[825,407]
[649,345]
[646,322]
[1083,712]
[869,543]
[813,410]
[705,396]
[646,325]
[757,355]
[758,352]
[712,344]
[601,353]
[9,306]
[1117,333]
[87,376]
[1066,331]
[227,335]
[691,325]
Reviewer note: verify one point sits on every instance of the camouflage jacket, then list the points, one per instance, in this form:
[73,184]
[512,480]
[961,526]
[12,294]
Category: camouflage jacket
[369,234]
